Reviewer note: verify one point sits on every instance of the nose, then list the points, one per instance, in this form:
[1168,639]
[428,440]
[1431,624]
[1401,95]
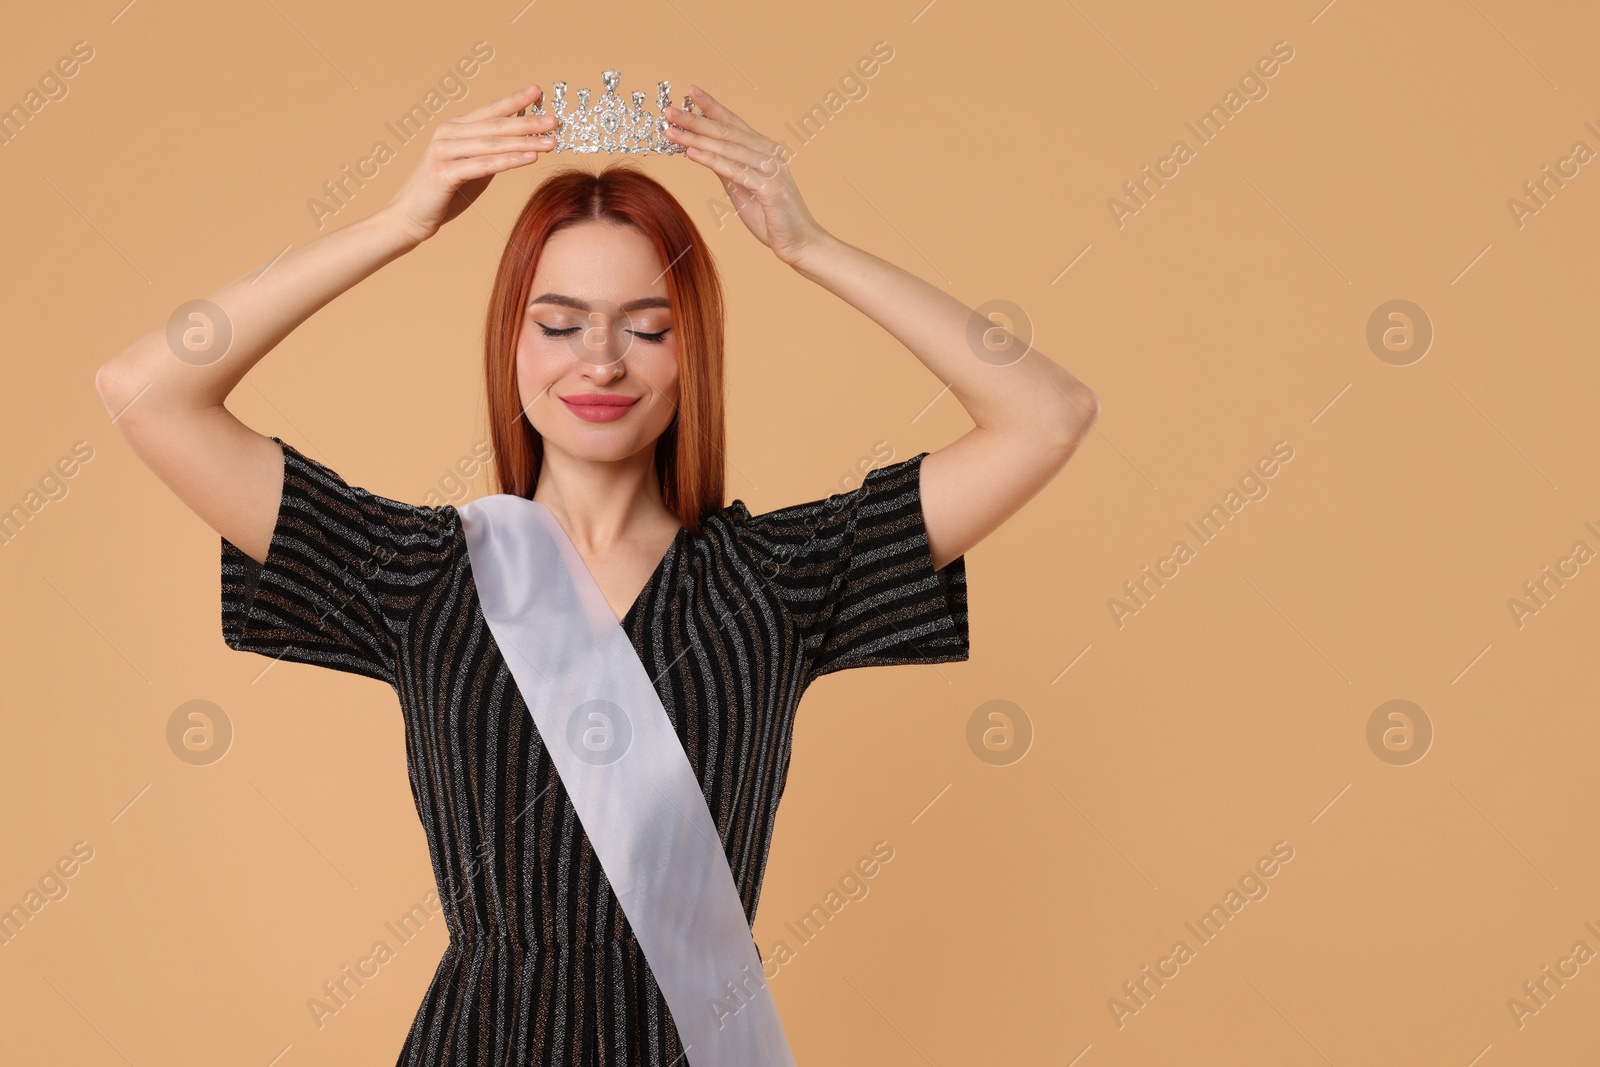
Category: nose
[600,343]
[603,372]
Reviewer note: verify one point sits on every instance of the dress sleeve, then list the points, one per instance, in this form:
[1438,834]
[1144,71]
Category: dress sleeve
[856,573]
[343,571]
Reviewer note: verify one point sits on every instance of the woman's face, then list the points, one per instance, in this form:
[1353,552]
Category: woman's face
[597,322]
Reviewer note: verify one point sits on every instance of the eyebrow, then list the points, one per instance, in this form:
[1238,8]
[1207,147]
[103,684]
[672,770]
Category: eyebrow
[583,305]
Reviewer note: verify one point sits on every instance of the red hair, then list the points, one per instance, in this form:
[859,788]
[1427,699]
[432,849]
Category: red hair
[688,454]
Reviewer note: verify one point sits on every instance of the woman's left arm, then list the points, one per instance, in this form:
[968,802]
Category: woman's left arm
[1029,413]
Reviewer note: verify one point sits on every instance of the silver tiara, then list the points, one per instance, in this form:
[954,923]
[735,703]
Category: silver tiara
[610,124]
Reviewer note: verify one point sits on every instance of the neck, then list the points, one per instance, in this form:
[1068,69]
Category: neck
[602,502]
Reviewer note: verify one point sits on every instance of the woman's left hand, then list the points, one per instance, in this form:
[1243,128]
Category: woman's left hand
[752,171]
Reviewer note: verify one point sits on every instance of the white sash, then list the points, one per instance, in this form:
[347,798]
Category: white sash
[630,782]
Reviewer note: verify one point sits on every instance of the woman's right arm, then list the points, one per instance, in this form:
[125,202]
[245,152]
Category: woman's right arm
[170,407]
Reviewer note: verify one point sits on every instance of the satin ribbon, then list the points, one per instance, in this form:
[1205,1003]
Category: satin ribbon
[622,764]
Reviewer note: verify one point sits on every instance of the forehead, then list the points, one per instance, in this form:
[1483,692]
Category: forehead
[600,260]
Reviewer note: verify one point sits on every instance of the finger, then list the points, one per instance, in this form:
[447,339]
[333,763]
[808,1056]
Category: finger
[468,147]
[527,125]
[722,113]
[716,133]
[461,171]
[726,168]
[716,108]
[506,105]
[736,194]
[719,120]
[766,164]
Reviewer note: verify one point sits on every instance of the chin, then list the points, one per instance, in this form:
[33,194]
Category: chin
[600,444]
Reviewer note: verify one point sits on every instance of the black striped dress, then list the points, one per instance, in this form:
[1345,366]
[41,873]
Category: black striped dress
[542,966]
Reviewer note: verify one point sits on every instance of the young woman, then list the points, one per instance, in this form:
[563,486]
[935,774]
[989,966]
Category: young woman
[604,373]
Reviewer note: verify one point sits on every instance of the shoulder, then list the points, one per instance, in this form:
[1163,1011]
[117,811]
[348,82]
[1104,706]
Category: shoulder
[855,573]
[345,573]
[894,485]
[392,534]
[801,546]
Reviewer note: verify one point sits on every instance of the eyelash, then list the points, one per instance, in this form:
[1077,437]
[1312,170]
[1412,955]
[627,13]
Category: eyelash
[656,338]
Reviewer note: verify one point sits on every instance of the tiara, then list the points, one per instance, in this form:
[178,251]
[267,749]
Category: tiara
[611,124]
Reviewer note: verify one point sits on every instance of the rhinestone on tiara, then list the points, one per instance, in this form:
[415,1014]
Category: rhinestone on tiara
[612,125]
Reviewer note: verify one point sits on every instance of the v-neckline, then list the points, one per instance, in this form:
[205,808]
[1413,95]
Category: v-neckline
[650,581]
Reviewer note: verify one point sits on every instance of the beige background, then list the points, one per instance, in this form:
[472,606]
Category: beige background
[1230,713]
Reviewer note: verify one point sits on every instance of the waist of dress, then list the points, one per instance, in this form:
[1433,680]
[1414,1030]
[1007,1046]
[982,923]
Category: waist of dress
[475,941]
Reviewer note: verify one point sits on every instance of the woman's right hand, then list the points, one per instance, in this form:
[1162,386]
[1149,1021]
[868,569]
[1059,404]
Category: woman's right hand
[463,155]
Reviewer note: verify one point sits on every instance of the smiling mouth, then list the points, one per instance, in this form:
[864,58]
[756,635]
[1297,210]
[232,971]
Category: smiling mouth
[598,407]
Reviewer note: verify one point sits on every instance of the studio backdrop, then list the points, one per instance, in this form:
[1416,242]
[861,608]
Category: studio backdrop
[1277,739]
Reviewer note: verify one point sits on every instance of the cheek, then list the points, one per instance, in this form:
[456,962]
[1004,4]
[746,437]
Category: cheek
[537,364]
[666,361]
[664,375]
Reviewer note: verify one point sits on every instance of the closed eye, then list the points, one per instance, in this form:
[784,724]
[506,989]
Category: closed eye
[655,338]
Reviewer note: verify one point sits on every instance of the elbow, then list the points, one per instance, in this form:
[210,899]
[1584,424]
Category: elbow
[115,384]
[1085,409]
[1078,416]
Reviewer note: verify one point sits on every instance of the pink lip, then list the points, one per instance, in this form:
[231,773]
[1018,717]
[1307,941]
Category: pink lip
[598,407]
